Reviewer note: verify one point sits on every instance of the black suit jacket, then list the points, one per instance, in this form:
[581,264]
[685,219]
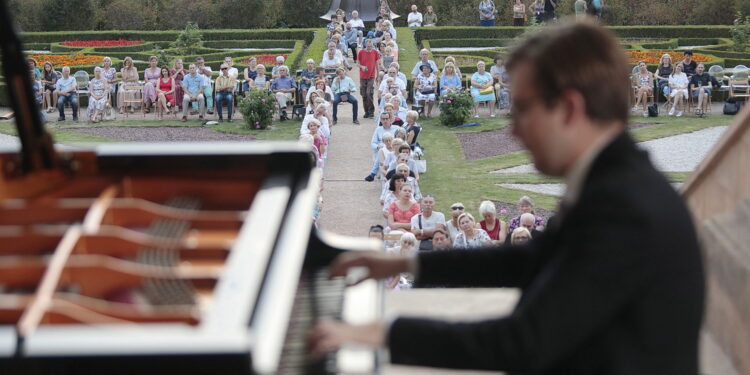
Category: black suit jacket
[616,287]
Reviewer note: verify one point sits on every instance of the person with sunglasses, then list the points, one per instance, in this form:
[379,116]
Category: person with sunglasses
[224,92]
[453,229]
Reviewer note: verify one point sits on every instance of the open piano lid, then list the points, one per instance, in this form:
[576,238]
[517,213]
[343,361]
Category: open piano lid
[84,285]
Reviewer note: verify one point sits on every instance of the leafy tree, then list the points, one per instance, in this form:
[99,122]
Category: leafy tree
[68,15]
[741,33]
[189,40]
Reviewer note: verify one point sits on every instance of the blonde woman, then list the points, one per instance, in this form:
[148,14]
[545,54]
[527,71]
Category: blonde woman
[250,74]
[644,83]
[151,76]
[109,74]
[452,60]
[129,75]
[470,236]
[662,73]
[450,81]
[482,90]
[177,73]
[98,90]
[260,82]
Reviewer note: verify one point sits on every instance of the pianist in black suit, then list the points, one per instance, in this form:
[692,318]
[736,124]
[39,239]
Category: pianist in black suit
[621,294]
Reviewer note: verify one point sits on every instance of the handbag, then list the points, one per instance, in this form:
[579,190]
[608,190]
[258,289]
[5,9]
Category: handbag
[344,97]
[486,91]
[421,165]
[731,107]
[427,92]
[653,110]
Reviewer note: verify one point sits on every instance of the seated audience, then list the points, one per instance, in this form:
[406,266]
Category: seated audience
[65,87]
[470,236]
[309,140]
[204,71]
[49,79]
[319,114]
[320,142]
[307,78]
[250,74]
[233,72]
[644,87]
[351,39]
[423,225]
[678,85]
[494,227]
[34,68]
[452,60]
[527,221]
[384,154]
[37,88]
[376,231]
[457,209]
[701,85]
[343,91]
[412,128]
[520,236]
[261,82]
[283,87]
[662,73]
[192,87]
[424,55]
[426,84]
[376,141]
[502,82]
[165,92]
[482,89]
[275,69]
[98,95]
[401,211]
[441,240]
[403,168]
[109,74]
[177,73]
[688,64]
[394,187]
[525,205]
[450,81]
[398,111]
[406,247]
[225,84]
[430,18]
[320,85]
[414,19]
[151,77]
[129,76]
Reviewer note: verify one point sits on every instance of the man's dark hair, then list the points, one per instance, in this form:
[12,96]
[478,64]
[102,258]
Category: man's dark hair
[594,65]
[377,228]
[498,57]
[199,58]
[436,231]
[404,147]
[392,182]
[688,52]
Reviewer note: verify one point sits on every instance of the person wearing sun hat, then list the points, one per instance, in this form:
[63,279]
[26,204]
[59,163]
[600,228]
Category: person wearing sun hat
[425,85]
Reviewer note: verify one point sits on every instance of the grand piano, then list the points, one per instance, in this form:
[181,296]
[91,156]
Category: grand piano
[164,258]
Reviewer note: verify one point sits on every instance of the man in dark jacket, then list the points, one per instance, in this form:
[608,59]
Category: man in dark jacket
[622,294]
[700,85]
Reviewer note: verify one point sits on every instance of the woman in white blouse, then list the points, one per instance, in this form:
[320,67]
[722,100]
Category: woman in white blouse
[470,237]
[678,82]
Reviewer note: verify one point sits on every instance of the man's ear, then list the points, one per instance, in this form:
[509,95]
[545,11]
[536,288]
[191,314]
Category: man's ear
[574,106]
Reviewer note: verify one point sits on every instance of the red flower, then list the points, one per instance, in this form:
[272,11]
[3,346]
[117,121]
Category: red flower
[264,59]
[101,43]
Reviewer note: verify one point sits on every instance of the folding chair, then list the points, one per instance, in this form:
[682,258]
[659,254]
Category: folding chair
[739,83]
[136,98]
[82,81]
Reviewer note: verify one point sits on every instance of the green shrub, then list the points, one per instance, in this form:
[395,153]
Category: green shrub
[670,44]
[447,43]
[455,108]
[276,44]
[189,39]
[697,41]
[741,33]
[314,49]
[170,35]
[257,108]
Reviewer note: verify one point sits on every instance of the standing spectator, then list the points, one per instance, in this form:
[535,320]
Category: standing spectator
[519,13]
[205,73]
[401,211]
[151,76]
[250,74]
[307,78]
[644,83]
[367,61]
[580,9]
[415,18]
[178,73]
[494,227]
[49,79]
[192,86]
[129,75]
[598,8]
[343,91]
[165,91]
[537,7]
[662,73]
[441,240]
[283,86]
[225,92]
[450,80]
[430,18]
[376,143]
[275,70]
[549,9]
[424,58]
[109,74]
[470,236]
[98,90]
[457,209]
[688,65]
[65,87]
[482,89]
[525,205]
[486,13]
[423,225]
[233,72]
[678,83]
[701,85]
[426,84]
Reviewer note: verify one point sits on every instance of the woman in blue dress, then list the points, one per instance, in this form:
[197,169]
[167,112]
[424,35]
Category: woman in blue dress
[450,81]
[482,89]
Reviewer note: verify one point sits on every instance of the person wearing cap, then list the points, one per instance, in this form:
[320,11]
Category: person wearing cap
[688,64]
[425,87]
[452,225]
[225,92]
[275,70]
[424,55]
[343,90]
[283,87]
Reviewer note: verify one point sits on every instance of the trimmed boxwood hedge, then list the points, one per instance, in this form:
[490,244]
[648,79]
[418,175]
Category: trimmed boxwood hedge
[314,49]
[170,35]
[275,44]
[447,43]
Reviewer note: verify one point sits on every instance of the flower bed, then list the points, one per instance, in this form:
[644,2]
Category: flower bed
[264,59]
[654,56]
[101,43]
[69,60]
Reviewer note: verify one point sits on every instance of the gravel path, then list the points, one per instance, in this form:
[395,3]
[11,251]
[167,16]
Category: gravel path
[161,134]
[350,204]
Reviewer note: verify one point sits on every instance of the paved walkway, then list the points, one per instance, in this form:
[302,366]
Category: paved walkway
[350,204]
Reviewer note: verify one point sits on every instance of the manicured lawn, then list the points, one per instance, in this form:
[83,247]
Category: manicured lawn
[451,178]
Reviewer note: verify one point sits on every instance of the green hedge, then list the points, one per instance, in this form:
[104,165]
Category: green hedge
[670,44]
[36,46]
[314,49]
[698,41]
[471,32]
[170,35]
[275,44]
[447,43]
